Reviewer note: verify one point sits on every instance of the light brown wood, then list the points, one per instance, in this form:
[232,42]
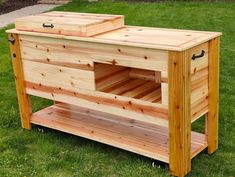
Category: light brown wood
[58,76]
[23,99]
[179,113]
[134,109]
[136,88]
[144,74]
[128,82]
[137,36]
[150,141]
[164,87]
[212,116]
[65,24]
[82,54]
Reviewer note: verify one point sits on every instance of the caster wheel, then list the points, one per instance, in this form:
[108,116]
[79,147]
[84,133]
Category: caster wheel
[156,164]
[153,164]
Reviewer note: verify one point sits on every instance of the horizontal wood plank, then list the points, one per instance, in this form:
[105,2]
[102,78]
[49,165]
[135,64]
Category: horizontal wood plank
[81,25]
[78,52]
[150,141]
[58,76]
[123,106]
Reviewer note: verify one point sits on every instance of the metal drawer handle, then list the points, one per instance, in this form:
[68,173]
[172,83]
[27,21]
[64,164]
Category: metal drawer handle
[198,56]
[44,25]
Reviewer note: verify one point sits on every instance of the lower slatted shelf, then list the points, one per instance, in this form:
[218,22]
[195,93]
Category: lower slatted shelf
[148,140]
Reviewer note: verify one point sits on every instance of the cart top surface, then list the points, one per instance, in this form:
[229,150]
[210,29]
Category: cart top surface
[147,37]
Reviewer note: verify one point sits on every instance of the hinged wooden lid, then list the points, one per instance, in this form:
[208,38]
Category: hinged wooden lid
[70,23]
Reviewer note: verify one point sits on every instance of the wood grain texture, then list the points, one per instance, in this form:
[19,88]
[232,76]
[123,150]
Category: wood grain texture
[23,99]
[134,109]
[145,139]
[144,37]
[79,24]
[212,116]
[58,76]
[179,78]
[83,54]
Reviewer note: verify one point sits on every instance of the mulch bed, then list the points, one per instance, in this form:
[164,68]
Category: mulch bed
[11,5]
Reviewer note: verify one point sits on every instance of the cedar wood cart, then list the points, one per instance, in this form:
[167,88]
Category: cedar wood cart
[135,88]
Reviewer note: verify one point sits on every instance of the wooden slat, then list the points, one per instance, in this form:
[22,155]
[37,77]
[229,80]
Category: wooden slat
[23,98]
[122,38]
[59,50]
[148,86]
[153,96]
[142,74]
[167,39]
[164,93]
[123,88]
[179,113]
[212,116]
[123,106]
[104,70]
[58,76]
[199,63]
[199,82]
[111,80]
[69,25]
[200,90]
[147,140]
[80,15]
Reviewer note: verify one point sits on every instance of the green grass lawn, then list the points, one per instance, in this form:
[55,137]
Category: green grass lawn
[1,1]
[52,153]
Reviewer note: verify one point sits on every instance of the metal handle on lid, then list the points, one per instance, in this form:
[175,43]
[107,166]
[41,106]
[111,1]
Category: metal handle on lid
[44,25]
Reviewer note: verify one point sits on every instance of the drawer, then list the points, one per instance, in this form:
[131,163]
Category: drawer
[58,77]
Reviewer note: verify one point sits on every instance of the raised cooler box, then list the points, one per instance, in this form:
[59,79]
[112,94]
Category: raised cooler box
[131,87]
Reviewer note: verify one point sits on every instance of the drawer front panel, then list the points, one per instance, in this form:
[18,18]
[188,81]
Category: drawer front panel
[83,54]
[60,77]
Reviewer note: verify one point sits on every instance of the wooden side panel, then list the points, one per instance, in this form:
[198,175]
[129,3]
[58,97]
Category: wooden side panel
[23,98]
[199,84]
[212,116]
[57,51]
[123,106]
[58,76]
[179,113]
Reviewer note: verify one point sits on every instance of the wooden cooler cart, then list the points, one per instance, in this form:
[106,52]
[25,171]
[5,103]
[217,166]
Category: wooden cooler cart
[135,88]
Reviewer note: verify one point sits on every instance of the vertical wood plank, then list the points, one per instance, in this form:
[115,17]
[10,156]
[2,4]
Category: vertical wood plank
[23,98]
[212,116]
[179,112]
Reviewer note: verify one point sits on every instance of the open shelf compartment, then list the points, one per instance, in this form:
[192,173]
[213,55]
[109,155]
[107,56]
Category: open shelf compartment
[145,139]
[129,82]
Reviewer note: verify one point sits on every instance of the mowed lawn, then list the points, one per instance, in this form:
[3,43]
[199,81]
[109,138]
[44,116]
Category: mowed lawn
[45,152]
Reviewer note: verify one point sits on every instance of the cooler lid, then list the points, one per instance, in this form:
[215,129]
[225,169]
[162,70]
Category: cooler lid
[70,23]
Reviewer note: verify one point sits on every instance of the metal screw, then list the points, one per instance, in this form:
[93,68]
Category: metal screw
[11,40]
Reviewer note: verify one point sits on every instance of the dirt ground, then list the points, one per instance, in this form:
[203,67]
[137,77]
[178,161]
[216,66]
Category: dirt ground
[10,5]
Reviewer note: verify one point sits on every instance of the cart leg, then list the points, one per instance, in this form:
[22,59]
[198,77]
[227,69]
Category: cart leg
[179,113]
[23,98]
[212,115]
